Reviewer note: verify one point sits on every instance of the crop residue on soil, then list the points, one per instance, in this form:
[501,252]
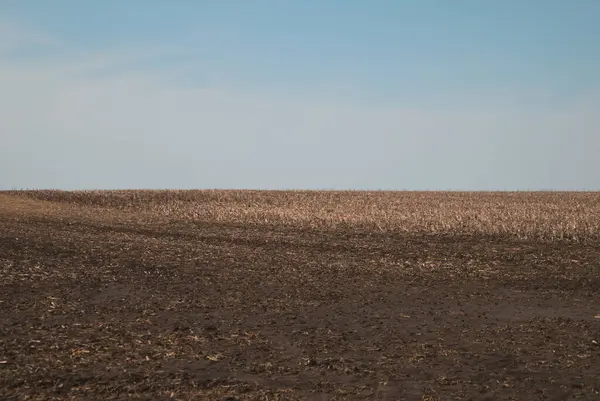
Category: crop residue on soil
[180,295]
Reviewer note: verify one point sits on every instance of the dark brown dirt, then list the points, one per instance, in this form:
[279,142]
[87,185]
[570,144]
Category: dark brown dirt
[103,311]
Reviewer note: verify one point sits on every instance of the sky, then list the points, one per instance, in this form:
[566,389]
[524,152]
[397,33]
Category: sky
[300,94]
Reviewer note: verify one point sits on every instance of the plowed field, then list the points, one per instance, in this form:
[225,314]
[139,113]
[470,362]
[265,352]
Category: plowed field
[102,302]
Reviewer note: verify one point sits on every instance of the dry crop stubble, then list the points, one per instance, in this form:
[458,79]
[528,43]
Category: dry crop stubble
[548,216]
[298,295]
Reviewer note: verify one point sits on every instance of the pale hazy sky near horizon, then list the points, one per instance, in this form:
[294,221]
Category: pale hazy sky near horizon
[315,94]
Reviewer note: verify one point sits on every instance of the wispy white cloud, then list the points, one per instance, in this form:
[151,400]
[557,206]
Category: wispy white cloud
[103,120]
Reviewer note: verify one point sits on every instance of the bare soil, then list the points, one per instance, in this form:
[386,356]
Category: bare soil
[93,309]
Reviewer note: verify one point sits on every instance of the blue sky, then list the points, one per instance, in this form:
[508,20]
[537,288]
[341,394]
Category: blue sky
[398,94]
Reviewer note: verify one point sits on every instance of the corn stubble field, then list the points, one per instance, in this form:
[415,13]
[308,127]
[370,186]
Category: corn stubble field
[266,295]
